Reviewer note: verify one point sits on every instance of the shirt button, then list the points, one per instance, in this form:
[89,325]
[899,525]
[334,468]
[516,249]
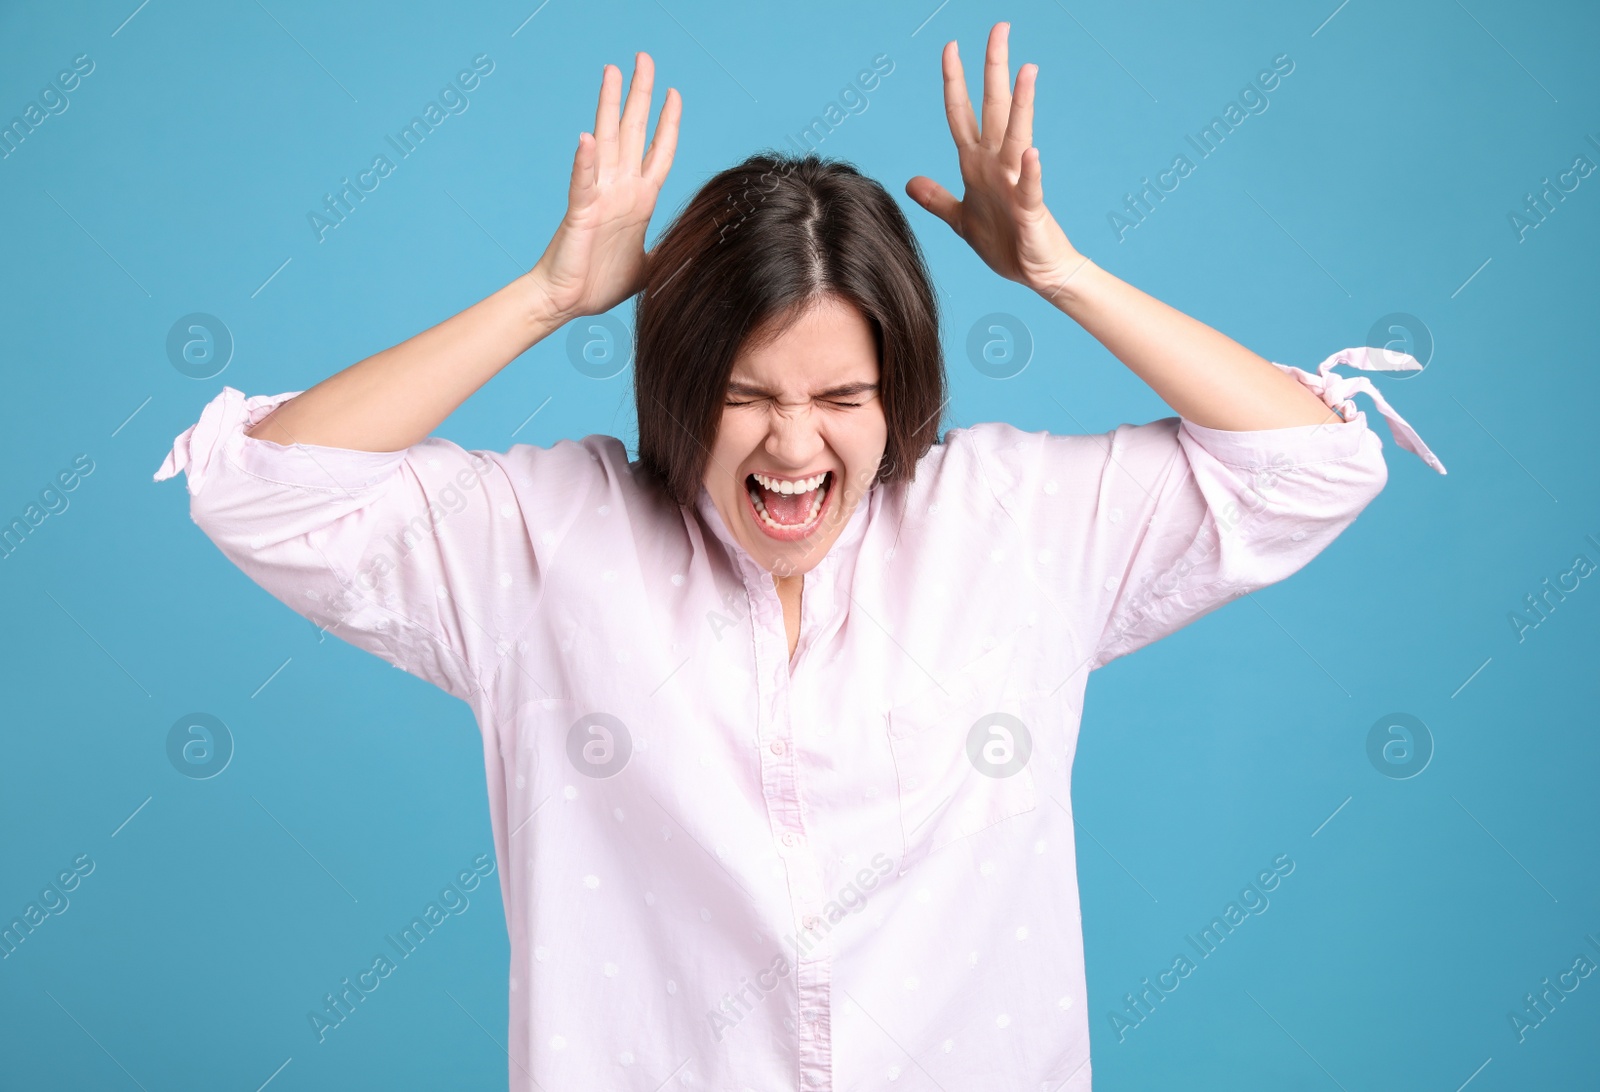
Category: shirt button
[777,746]
[809,921]
[790,838]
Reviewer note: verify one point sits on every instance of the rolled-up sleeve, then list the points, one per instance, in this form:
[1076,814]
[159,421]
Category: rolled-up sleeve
[1149,527]
[421,556]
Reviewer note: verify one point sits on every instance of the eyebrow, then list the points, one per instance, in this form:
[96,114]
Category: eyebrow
[844,391]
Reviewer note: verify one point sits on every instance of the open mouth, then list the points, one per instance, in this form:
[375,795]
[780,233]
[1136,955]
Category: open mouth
[788,510]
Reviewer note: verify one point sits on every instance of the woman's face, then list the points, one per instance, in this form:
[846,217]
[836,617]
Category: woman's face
[803,405]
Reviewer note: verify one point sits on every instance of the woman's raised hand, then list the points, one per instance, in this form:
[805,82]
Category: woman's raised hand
[1001,215]
[596,259]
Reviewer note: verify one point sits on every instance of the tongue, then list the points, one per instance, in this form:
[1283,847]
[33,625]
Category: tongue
[791,508]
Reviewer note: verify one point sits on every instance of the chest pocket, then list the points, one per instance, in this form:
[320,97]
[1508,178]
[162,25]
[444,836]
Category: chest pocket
[962,755]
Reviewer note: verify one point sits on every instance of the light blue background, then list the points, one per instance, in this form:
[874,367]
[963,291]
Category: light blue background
[1379,180]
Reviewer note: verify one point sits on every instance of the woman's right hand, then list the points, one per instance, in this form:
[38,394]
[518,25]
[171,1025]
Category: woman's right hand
[596,259]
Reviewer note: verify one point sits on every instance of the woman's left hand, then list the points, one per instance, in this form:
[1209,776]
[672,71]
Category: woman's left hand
[1001,215]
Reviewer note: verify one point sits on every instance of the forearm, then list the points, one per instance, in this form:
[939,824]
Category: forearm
[1201,373]
[397,397]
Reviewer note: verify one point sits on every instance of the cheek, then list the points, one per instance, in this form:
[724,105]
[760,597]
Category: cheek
[732,445]
[867,442]
[860,443]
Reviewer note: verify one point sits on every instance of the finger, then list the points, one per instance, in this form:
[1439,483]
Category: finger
[996,88]
[636,112]
[957,107]
[658,160]
[936,199]
[1030,187]
[605,119]
[1019,127]
[581,185]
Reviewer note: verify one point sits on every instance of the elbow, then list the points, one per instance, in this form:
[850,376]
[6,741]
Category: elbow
[1296,520]
[1356,482]
[211,511]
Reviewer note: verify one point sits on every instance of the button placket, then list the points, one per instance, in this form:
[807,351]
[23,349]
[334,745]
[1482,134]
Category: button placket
[817,608]
[812,952]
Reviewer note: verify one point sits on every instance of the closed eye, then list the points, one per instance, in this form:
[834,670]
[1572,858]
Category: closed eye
[739,393]
[830,401]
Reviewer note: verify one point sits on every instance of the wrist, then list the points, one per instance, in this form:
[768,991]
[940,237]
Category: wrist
[541,314]
[1067,281]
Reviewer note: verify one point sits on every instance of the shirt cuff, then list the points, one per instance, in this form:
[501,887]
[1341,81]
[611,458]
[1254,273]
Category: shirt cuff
[1330,440]
[217,441]
[1296,445]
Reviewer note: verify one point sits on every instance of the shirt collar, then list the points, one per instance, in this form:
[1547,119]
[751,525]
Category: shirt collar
[848,539]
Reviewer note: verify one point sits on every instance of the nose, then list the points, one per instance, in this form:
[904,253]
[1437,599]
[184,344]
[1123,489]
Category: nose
[792,436]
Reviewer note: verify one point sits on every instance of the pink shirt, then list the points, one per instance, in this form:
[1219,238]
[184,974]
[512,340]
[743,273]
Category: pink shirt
[732,871]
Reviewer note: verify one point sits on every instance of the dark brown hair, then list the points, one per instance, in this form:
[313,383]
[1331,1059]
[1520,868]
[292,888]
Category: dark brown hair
[751,250]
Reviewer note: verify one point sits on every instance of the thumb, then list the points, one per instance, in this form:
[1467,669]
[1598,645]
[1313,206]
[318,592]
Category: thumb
[936,199]
[582,180]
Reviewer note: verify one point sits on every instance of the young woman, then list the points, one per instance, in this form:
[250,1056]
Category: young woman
[778,719]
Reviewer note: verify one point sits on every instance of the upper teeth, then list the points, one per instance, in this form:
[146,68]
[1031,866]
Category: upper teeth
[805,485]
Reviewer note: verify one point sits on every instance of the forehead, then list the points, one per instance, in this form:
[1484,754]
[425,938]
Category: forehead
[829,343]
